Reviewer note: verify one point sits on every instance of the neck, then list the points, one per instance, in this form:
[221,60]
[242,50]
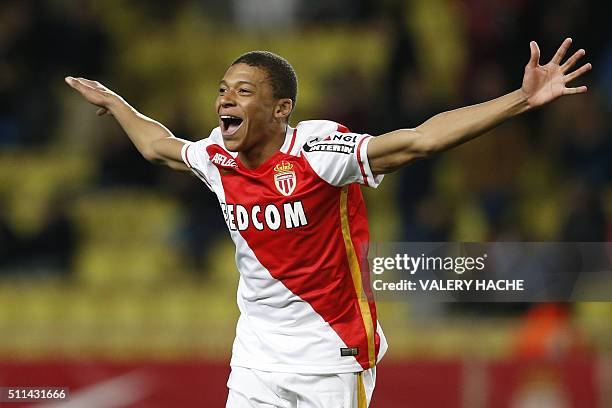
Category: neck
[255,156]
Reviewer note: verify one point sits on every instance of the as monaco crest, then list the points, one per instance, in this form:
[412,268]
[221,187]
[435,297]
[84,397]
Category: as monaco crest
[284,178]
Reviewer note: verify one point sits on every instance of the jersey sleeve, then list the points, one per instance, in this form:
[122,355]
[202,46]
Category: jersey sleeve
[341,159]
[196,158]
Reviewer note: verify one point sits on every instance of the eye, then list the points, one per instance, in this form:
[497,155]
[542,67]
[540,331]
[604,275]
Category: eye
[244,91]
[222,90]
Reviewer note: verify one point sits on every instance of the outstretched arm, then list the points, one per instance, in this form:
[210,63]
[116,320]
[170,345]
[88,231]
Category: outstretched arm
[152,139]
[541,85]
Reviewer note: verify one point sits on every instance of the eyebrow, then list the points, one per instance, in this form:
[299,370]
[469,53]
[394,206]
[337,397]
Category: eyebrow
[224,82]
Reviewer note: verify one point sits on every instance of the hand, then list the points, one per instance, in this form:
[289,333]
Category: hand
[95,93]
[545,83]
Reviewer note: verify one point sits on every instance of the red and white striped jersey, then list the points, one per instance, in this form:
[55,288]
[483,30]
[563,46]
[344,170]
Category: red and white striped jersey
[300,227]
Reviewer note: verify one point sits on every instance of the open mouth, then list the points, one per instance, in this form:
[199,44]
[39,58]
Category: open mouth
[230,124]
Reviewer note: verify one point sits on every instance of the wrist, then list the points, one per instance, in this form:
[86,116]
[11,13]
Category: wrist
[116,104]
[522,100]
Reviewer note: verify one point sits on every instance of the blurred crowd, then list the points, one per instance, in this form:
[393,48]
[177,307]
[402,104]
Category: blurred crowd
[545,176]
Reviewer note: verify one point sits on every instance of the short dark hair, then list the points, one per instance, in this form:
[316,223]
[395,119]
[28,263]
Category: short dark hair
[280,72]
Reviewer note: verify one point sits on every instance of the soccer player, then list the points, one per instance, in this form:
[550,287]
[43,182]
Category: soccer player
[308,334]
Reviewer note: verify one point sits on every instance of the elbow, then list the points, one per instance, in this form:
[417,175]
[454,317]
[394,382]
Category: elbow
[150,155]
[153,151]
[423,146]
[400,148]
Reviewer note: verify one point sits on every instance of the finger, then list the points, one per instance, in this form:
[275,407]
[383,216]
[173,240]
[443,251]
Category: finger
[572,60]
[77,84]
[101,111]
[535,55]
[93,84]
[556,59]
[577,90]
[71,81]
[571,76]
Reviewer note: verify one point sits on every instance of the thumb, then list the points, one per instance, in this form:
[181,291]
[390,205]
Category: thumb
[535,55]
[101,111]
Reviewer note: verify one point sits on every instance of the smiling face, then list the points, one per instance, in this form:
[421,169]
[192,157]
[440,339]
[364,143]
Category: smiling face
[249,114]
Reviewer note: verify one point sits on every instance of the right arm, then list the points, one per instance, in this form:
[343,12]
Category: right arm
[542,84]
[152,139]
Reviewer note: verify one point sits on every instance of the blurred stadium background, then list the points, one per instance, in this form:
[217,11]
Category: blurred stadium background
[117,277]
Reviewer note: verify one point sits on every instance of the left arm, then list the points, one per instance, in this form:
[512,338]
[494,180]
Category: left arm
[541,85]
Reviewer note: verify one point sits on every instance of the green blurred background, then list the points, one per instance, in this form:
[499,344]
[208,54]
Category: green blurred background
[103,255]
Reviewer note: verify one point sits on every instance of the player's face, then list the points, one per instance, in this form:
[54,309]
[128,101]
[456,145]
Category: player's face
[245,106]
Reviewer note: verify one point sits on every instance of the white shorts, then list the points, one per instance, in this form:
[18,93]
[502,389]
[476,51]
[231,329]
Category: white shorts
[250,388]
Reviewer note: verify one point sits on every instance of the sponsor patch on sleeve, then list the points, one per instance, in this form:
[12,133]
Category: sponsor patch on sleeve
[336,143]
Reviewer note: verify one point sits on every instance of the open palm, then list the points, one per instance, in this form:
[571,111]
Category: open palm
[545,83]
[94,92]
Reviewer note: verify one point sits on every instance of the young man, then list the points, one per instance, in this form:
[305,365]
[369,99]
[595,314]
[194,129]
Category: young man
[308,335]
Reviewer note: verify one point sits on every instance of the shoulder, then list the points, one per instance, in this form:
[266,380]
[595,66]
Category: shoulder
[214,142]
[318,126]
[310,129]
[214,138]
[336,155]
[310,132]
[199,154]
[327,136]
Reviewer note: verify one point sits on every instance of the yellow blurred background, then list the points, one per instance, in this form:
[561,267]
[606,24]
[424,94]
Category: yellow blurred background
[106,256]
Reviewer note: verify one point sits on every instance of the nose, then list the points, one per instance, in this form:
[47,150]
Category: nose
[227,100]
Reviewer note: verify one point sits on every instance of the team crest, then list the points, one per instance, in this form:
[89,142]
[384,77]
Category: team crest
[284,178]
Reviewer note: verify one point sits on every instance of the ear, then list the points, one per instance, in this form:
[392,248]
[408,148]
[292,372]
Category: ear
[283,108]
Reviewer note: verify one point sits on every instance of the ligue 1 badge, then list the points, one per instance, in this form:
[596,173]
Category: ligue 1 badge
[284,178]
